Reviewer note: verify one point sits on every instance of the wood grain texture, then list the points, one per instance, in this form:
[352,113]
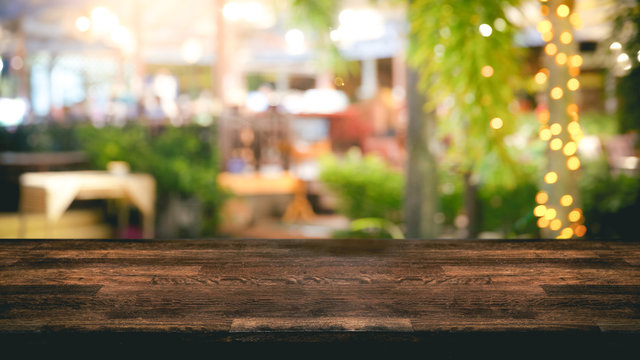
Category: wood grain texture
[247,290]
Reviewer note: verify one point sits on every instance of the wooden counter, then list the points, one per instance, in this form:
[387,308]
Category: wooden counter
[442,294]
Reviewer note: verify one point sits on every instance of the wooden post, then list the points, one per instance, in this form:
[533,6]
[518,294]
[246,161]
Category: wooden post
[558,203]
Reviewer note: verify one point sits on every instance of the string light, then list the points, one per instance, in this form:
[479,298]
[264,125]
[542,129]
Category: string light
[581,231]
[540,78]
[551,49]
[573,84]
[574,215]
[556,93]
[555,128]
[539,210]
[543,223]
[544,26]
[561,58]
[570,148]
[551,177]
[573,163]
[563,11]
[543,116]
[545,134]
[555,144]
[575,61]
[496,123]
[566,200]
[566,37]
[555,224]
[550,214]
[542,197]
[487,71]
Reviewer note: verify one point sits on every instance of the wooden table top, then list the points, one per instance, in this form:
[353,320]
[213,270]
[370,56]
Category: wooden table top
[319,290]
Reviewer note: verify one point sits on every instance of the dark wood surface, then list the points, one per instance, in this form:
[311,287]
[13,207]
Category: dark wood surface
[211,291]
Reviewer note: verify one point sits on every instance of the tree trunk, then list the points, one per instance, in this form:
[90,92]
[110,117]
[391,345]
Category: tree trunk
[421,192]
[471,206]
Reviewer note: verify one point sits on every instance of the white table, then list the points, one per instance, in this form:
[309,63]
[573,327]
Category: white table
[53,192]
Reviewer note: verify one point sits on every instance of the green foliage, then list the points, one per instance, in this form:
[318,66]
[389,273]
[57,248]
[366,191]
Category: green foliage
[183,160]
[38,138]
[611,203]
[365,186]
[448,51]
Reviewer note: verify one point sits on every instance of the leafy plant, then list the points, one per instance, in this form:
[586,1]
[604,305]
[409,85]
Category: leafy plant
[183,160]
[366,186]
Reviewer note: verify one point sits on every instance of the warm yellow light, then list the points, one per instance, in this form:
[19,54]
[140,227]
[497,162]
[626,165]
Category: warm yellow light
[550,214]
[566,37]
[338,81]
[540,78]
[551,49]
[573,127]
[544,10]
[496,123]
[566,200]
[563,11]
[548,36]
[575,61]
[539,210]
[572,108]
[555,128]
[567,233]
[580,231]
[575,20]
[570,148]
[574,215]
[573,84]
[576,135]
[574,71]
[573,163]
[556,224]
[543,116]
[542,197]
[543,223]
[545,134]
[561,58]
[487,71]
[556,93]
[544,26]
[551,177]
[555,144]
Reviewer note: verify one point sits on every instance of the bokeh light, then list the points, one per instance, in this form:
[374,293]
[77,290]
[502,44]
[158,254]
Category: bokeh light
[551,177]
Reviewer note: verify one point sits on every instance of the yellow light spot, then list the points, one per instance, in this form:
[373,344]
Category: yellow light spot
[548,36]
[551,49]
[555,129]
[573,84]
[544,10]
[574,71]
[566,37]
[496,123]
[540,210]
[339,82]
[550,214]
[573,127]
[555,144]
[556,224]
[574,215]
[540,78]
[572,108]
[556,93]
[487,71]
[545,134]
[551,177]
[581,230]
[566,200]
[575,20]
[543,223]
[576,135]
[567,233]
[542,197]
[570,148]
[575,61]
[544,26]
[573,163]
[563,11]
[561,58]
[543,116]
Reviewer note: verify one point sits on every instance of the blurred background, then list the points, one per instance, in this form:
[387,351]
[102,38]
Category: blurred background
[290,118]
